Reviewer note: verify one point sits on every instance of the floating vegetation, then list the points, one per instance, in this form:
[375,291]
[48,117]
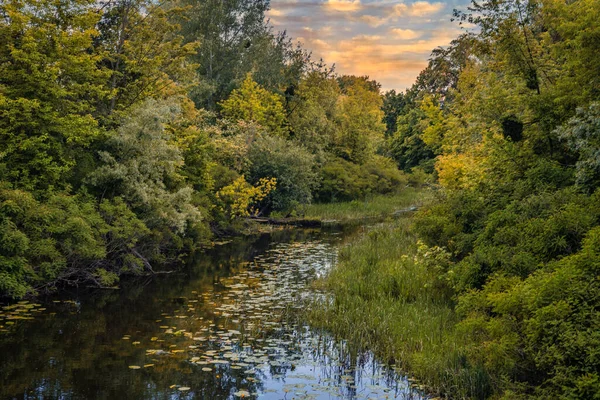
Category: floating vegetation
[234,338]
[238,330]
[12,314]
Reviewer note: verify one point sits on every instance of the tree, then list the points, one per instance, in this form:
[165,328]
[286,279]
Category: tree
[142,165]
[394,105]
[313,110]
[144,51]
[236,40]
[252,103]
[440,78]
[49,85]
[361,129]
[291,165]
[582,135]
[407,146]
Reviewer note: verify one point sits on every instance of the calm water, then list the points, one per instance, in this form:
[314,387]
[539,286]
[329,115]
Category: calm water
[214,331]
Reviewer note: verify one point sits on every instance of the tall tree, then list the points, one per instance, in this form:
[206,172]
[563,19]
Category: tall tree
[144,52]
[50,83]
[361,129]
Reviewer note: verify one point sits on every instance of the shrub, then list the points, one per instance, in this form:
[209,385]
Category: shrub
[343,180]
[291,165]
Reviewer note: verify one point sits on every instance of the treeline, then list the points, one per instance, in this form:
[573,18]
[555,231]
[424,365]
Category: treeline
[508,119]
[132,130]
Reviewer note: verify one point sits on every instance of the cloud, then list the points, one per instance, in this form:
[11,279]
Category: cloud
[389,40]
[417,9]
[373,21]
[275,12]
[405,34]
[422,8]
[366,38]
[343,5]
[391,12]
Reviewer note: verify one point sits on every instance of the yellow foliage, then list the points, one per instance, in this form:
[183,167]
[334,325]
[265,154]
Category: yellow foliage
[240,197]
[434,130]
[459,170]
[252,103]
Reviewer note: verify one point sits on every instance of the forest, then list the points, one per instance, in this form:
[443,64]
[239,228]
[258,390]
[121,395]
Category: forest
[133,132]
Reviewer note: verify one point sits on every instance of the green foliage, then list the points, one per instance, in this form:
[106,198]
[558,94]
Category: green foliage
[142,166]
[60,239]
[518,213]
[236,40]
[582,135]
[406,144]
[542,329]
[117,169]
[252,103]
[379,206]
[291,165]
[393,107]
[343,180]
[50,84]
[143,50]
[389,300]
[361,130]
[313,111]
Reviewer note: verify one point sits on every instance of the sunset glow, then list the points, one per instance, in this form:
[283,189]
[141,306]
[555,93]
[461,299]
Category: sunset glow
[388,40]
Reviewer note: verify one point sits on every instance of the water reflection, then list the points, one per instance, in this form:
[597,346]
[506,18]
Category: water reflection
[216,331]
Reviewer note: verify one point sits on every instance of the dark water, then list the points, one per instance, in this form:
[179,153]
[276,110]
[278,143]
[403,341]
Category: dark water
[215,331]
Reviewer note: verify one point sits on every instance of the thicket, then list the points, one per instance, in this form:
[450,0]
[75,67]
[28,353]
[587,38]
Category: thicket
[508,118]
[132,130]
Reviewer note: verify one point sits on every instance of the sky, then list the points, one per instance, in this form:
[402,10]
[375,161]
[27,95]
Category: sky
[388,40]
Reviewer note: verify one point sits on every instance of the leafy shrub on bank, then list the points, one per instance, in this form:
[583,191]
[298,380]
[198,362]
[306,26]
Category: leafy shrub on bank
[540,335]
[343,180]
[292,166]
[66,239]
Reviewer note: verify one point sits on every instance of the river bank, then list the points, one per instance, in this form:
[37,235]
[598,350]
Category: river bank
[386,296]
[215,330]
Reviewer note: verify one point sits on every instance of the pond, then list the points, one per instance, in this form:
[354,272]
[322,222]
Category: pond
[215,330]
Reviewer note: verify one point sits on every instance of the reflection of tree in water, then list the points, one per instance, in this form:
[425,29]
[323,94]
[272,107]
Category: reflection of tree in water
[83,356]
[219,313]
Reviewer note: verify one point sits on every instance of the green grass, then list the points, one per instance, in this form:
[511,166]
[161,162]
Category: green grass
[375,206]
[386,300]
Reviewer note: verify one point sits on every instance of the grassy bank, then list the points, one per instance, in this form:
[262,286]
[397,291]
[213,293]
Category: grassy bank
[390,301]
[374,206]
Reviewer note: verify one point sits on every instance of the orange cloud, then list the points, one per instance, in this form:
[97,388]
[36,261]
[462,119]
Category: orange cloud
[422,8]
[343,5]
[417,9]
[404,34]
[373,21]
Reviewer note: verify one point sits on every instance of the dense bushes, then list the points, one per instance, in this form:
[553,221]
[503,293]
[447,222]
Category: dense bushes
[343,180]
[65,239]
[292,166]
[539,335]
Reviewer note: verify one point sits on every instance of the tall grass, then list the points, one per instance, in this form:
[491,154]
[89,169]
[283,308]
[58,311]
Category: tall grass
[373,206]
[385,300]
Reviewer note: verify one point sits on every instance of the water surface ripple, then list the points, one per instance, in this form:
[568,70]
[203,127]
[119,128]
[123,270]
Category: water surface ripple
[217,331]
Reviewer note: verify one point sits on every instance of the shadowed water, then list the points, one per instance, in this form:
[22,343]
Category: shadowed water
[218,330]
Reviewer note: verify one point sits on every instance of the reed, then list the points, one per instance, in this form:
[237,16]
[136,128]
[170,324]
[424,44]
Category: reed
[383,299]
[372,206]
